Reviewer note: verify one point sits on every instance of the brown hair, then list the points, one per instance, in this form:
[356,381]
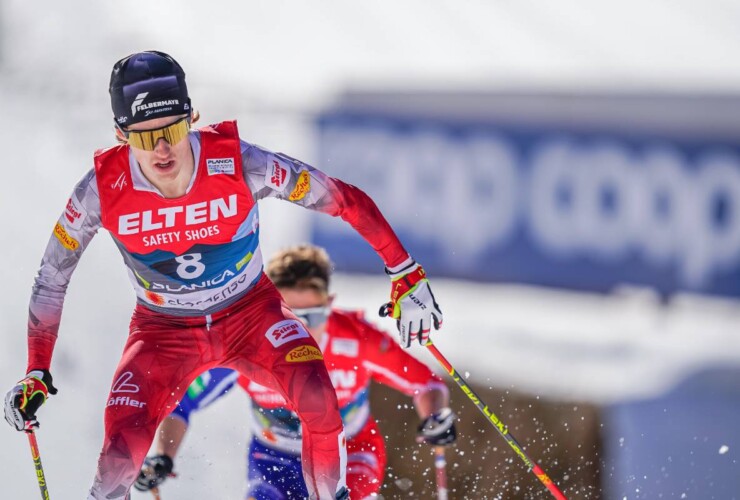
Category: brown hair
[301,267]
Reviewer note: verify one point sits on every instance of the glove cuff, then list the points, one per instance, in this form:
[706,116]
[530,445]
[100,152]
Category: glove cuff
[166,463]
[45,377]
[401,269]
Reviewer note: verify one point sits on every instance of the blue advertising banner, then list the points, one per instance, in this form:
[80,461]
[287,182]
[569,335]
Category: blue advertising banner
[567,208]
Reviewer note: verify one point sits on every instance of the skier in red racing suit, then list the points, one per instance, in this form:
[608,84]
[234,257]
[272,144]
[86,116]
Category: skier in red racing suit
[355,352]
[181,206]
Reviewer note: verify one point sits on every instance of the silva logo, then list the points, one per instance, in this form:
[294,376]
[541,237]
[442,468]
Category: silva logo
[188,215]
[122,384]
[285,331]
[277,175]
[220,166]
[120,182]
[138,105]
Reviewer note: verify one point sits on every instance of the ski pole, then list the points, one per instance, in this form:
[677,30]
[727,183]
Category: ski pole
[440,465]
[40,477]
[155,492]
[497,423]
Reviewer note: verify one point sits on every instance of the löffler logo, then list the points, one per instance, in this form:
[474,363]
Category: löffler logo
[122,384]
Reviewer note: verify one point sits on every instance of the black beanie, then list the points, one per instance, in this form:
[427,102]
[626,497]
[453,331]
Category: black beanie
[147,85]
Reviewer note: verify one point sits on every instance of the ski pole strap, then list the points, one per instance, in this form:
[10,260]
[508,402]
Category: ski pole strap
[40,477]
[497,423]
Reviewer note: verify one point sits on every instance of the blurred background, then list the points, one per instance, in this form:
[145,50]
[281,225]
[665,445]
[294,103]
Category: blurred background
[567,172]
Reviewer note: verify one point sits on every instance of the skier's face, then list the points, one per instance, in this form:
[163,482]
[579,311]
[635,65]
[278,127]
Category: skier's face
[310,305]
[168,166]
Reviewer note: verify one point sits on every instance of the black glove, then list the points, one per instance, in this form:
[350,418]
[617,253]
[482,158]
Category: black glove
[438,429]
[154,471]
[25,398]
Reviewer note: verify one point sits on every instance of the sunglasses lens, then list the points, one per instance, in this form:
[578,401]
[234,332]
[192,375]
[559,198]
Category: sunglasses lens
[147,139]
[312,317]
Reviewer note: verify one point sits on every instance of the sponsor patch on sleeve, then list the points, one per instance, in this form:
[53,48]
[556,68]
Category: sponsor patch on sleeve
[75,213]
[65,239]
[304,353]
[278,174]
[285,331]
[345,347]
[218,166]
[302,187]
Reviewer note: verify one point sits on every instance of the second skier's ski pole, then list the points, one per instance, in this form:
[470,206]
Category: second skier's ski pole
[40,477]
[440,467]
[497,423]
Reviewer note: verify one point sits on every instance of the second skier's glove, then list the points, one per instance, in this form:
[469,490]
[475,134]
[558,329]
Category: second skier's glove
[25,398]
[154,471]
[412,303]
[438,429]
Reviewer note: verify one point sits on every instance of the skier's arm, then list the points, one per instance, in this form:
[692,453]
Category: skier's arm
[71,234]
[170,435]
[392,366]
[276,175]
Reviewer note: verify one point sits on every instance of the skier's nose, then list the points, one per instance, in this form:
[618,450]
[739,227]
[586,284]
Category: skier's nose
[162,148]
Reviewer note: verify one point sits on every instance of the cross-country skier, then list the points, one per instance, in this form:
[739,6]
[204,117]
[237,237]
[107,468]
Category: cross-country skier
[181,205]
[354,352]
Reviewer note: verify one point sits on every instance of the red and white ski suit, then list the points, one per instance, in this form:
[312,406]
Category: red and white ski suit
[355,353]
[203,300]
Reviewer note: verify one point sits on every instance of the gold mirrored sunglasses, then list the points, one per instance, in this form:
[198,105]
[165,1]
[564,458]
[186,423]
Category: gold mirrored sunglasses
[147,139]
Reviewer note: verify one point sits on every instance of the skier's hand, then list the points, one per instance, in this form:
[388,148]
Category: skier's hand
[438,429]
[25,398]
[154,471]
[412,303]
